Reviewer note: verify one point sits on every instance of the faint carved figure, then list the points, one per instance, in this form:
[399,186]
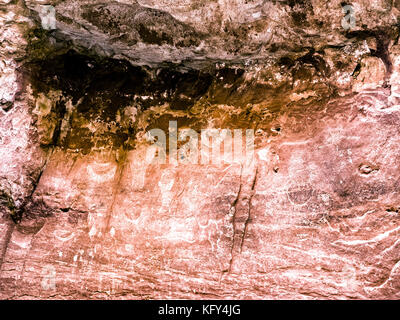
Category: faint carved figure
[300,194]
[49,278]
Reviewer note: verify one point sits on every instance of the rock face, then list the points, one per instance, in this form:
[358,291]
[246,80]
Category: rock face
[312,213]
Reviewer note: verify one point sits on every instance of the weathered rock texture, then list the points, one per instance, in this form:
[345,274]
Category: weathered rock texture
[84,215]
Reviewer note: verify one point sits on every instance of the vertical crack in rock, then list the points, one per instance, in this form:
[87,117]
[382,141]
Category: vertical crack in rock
[30,200]
[241,209]
[6,242]
[60,111]
[178,197]
[233,211]
[253,185]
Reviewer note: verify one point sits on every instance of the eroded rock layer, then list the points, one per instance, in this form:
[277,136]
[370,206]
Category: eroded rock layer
[84,214]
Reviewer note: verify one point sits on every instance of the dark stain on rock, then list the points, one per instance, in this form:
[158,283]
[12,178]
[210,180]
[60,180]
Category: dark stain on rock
[6,105]
[7,204]
[355,191]
[366,169]
[100,89]
[383,38]
[300,10]
[31,225]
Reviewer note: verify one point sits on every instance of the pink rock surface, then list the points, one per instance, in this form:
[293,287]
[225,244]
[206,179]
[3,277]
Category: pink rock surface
[85,216]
